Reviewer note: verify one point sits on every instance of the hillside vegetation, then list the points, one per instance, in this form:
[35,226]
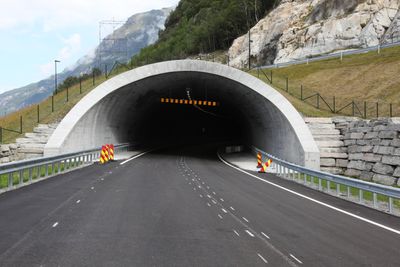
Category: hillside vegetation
[202,26]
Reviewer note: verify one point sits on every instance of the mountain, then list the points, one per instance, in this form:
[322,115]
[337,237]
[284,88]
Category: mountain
[304,28]
[139,31]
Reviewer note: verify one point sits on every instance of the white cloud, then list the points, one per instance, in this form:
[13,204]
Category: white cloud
[54,15]
[71,48]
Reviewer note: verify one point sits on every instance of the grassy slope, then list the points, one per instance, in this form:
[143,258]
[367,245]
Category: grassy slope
[370,77]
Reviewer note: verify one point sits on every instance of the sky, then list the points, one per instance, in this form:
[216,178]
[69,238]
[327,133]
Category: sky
[34,33]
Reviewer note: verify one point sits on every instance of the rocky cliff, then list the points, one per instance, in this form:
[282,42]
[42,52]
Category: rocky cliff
[304,28]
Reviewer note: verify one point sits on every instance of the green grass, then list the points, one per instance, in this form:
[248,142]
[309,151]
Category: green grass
[369,77]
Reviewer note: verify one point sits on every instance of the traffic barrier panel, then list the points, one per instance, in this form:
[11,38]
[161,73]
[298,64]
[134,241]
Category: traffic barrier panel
[259,160]
[103,155]
[111,151]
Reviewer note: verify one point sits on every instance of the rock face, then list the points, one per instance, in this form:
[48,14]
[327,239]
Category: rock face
[305,28]
[28,147]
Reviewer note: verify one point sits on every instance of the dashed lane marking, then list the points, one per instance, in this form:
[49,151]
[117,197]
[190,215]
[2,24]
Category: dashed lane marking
[262,258]
[245,219]
[215,202]
[208,204]
[224,210]
[232,208]
[219,215]
[236,232]
[296,259]
[78,201]
[135,157]
[214,193]
[249,233]
[55,224]
[314,200]
[265,235]
[222,200]
[201,195]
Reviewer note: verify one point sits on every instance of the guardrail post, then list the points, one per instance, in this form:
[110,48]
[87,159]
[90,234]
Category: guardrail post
[360,196]
[390,204]
[30,175]
[21,177]
[271,76]
[375,200]
[337,189]
[319,184]
[10,180]
[348,191]
[328,185]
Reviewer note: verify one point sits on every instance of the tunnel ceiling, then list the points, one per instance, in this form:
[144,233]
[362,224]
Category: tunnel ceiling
[127,108]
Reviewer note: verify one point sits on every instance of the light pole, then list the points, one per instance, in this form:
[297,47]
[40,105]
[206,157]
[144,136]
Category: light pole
[55,74]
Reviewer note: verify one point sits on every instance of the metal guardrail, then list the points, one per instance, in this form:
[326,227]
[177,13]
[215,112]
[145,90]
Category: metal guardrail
[16,174]
[383,197]
[333,55]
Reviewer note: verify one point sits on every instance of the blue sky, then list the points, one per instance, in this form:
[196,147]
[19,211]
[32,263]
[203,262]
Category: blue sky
[36,32]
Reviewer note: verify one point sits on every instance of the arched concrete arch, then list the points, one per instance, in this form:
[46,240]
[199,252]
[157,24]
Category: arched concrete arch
[102,116]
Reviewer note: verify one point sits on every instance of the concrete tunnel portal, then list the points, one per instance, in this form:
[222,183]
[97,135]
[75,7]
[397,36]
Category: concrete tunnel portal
[128,108]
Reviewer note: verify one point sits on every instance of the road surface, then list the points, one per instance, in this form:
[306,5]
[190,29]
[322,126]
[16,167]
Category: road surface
[184,207]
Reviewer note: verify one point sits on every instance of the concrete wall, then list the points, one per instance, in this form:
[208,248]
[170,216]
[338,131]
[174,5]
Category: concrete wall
[110,113]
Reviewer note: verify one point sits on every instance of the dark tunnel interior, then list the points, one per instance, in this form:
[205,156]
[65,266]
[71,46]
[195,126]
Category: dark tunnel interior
[147,121]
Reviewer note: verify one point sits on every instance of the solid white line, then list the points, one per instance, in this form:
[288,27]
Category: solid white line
[55,224]
[215,202]
[135,157]
[220,216]
[236,232]
[222,199]
[262,258]
[208,196]
[208,204]
[224,210]
[245,219]
[314,200]
[249,233]
[232,208]
[265,235]
[299,261]
[78,201]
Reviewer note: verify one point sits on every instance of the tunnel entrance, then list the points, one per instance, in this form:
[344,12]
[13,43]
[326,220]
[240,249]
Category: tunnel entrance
[133,107]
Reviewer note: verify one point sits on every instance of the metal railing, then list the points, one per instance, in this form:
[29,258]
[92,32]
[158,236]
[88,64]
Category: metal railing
[16,174]
[377,196]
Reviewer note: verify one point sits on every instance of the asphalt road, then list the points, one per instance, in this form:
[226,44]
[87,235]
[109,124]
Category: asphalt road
[184,207]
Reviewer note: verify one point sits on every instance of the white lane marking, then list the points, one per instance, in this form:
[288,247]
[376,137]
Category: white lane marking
[208,196]
[220,216]
[92,187]
[190,183]
[262,258]
[214,193]
[224,210]
[55,224]
[202,183]
[296,259]
[245,219]
[135,157]
[102,179]
[199,186]
[201,195]
[265,235]
[208,204]
[208,187]
[314,200]
[222,200]
[232,208]
[215,202]
[78,201]
[236,232]
[249,233]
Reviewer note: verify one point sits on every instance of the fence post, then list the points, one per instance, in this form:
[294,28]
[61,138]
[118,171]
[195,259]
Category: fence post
[287,84]
[334,104]
[52,103]
[271,76]
[93,77]
[317,100]
[377,109]
[390,110]
[67,94]
[20,124]
[38,113]
[301,92]
[352,104]
[80,84]
[105,71]
[365,109]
